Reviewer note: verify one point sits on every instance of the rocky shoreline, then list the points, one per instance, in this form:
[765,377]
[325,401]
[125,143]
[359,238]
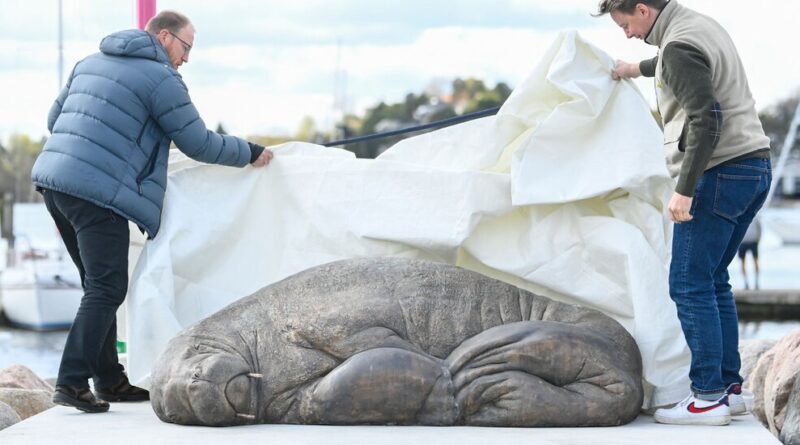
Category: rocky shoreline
[771,370]
[22,394]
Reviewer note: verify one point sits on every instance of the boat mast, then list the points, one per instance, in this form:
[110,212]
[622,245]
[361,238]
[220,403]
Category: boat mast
[60,44]
[788,143]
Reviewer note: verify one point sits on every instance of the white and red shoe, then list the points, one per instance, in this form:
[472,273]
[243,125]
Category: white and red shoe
[694,411]
[739,399]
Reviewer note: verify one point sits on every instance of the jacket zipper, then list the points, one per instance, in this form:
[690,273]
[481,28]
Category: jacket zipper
[141,133]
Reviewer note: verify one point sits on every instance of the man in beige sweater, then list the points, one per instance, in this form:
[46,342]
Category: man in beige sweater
[716,149]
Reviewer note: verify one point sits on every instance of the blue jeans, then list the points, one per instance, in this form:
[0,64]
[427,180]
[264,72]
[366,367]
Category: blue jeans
[725,202]
[97,241]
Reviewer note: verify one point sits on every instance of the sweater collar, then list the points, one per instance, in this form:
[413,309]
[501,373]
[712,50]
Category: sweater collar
[659,29]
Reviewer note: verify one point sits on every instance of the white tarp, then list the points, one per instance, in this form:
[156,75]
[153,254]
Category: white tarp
[562,193]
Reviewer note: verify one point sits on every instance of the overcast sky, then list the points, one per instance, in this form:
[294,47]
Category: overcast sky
[261,66]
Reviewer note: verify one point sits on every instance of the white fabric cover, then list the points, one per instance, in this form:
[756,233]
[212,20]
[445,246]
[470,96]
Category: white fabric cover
[562,193]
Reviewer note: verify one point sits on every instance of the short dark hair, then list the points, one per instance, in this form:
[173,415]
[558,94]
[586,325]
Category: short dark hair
[170,20]
[627,6]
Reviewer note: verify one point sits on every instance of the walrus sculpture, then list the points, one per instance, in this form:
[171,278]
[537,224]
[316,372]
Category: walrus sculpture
[399,342]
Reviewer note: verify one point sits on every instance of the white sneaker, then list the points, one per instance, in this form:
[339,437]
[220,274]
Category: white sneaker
[694,411]
[739,399]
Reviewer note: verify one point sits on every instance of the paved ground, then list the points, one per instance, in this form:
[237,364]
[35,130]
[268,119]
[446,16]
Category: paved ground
[137,424]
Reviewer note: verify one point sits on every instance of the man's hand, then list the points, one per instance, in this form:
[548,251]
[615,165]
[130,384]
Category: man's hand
[624,70]
[263,159]
[679,207]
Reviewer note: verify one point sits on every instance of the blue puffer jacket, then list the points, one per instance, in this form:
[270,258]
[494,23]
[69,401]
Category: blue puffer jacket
[112,126]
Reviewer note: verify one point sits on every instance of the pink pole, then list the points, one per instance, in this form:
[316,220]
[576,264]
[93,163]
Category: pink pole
[147,9]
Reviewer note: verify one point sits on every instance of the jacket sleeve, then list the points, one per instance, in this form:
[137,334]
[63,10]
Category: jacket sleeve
[55,110]
[175,113]
[688,74]
[648,67]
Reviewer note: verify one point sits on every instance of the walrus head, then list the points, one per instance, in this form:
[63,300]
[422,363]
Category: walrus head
[212,383]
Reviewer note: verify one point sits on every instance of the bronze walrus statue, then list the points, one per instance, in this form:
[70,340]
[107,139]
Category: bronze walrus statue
[399,342]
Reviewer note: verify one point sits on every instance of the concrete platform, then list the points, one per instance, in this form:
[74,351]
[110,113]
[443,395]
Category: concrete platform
[768,304]
[137,424]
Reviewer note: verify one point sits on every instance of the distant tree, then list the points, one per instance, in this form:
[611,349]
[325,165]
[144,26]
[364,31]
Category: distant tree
[468,95]
[16,162]
[220,129]
[776,120]
[503,90]
[267,140]
[398,114]
[442,114]
[307,131]
[481,98]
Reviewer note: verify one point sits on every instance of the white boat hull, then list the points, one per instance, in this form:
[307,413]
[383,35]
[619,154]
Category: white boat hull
[40,287]
[44,300]
[41,309]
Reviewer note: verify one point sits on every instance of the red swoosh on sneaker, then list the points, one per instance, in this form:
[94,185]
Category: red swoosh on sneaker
[695,410]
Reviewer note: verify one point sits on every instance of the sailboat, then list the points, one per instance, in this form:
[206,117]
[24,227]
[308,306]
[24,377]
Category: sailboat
[41,287]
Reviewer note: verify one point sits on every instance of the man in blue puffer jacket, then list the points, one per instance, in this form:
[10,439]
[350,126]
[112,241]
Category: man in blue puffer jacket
[106,164]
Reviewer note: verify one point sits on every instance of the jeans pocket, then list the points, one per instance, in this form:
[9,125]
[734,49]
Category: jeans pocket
[736,194]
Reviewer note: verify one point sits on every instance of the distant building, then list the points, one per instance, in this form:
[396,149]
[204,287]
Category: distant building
[427,113]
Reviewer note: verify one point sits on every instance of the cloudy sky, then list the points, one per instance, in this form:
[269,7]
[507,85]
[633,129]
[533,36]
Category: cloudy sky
[261,66]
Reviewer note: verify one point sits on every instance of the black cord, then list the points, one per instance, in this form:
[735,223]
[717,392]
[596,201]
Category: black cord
[441,123]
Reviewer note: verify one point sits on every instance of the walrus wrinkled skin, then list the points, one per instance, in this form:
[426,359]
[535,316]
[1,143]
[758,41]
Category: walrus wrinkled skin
[399,342]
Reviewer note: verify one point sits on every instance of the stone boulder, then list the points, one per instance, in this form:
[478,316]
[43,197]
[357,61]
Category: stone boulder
[27,402]
[20,377]
[756,383]
[773,380]
[8,416]
[399,342]
[750,351]
[790,433]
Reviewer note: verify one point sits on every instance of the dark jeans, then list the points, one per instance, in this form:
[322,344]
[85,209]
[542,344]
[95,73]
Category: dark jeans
[97,239]
[726,200]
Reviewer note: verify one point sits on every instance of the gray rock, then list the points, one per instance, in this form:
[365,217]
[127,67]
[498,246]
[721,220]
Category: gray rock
[756,382]
[780,380]
[18,376]
[8,416]
[750,351]
[393,341]
[790,433]
[26,402]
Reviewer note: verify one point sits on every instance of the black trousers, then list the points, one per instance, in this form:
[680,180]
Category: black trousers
[97,239]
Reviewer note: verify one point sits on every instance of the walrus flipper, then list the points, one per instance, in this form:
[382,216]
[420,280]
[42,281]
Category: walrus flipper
[384,386]
[531,373]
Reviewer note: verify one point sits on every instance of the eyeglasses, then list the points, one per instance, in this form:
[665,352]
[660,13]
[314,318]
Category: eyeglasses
[186,47]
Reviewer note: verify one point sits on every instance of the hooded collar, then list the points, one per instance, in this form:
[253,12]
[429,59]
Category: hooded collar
[134,43]
[659,29]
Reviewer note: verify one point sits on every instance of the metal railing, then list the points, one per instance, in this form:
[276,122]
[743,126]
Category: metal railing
[416,128]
